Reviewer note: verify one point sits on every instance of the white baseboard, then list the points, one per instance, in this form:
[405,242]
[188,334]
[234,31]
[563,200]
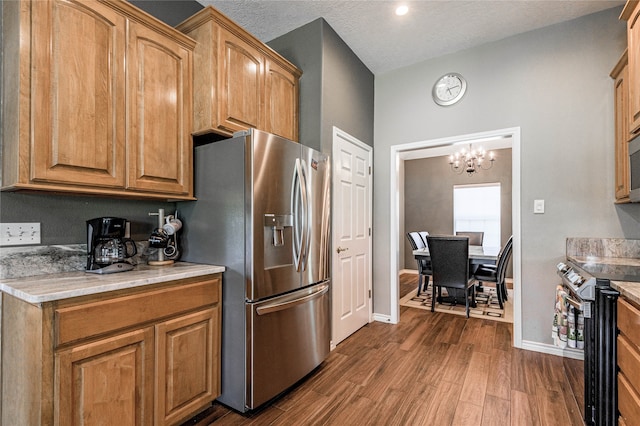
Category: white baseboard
[552,350]
[409,271]
[382,318]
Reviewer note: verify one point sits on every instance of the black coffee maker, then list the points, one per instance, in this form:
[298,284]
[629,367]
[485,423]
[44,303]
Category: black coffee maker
[107,247]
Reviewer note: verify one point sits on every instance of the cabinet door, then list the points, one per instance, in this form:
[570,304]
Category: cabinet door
[621,136]
[160,100]
[633,36]
[187,357]
[77,100]
[107,382]
[281,101]
[240,80]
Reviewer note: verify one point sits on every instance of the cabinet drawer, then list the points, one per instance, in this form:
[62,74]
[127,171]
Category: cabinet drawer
[628,400]
[95,318]
[629,321]
[629,362]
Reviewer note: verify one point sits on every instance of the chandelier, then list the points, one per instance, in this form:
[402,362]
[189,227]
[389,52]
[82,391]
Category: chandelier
[471,160]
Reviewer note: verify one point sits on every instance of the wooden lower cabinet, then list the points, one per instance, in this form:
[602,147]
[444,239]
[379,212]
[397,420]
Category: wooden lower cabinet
[628,360]
[108,382]
[185,360]
[132,358]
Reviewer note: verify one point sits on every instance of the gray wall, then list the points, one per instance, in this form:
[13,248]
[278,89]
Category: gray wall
[303,48]
[554,84]
[171,12]
[63,218]
[348,91]
[428,197]
[336,88]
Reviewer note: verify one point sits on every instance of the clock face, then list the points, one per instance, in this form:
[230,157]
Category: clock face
[449,89]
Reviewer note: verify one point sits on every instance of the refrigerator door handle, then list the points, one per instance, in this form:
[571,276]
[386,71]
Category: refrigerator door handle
[299,199]
[306,226]
[285,302]
[295,204]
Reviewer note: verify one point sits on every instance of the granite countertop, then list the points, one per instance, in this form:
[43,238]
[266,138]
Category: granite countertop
[65,285]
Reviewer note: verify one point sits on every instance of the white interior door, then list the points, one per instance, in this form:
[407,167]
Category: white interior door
[351,259]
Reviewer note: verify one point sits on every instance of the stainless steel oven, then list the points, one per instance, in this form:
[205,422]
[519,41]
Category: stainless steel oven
[591,293]
[634,169]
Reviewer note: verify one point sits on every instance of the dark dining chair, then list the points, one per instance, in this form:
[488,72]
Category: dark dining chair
[475,238]
[424,265]
[496,273]
[450,264]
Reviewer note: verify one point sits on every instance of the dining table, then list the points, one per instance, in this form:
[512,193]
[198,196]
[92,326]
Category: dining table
[478,255]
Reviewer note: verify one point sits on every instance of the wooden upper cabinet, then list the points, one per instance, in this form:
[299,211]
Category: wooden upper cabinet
[281,101]
[99,100]
[160,98]
[620,74]
[241,82]
[631,13]
[78,110]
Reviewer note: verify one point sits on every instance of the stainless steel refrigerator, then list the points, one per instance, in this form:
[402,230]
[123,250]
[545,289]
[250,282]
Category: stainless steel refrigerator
[262,211]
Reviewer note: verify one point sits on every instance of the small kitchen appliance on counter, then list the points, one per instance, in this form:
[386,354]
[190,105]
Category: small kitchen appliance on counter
[107,247]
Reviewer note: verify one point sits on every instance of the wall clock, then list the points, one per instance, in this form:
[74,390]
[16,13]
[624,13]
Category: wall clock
[449,89]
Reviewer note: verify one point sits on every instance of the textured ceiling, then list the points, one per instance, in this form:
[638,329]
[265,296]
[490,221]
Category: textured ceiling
[384,41]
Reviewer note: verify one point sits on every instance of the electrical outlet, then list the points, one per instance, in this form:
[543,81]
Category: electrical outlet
[19,234]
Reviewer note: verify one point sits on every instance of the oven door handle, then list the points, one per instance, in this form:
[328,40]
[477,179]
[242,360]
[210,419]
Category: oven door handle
[584,307]
[574,303]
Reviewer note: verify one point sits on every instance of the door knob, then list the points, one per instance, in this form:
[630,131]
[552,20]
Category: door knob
[340,249]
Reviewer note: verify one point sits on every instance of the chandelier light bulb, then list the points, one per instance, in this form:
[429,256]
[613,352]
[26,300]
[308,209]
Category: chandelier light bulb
[473,160]
[402,10]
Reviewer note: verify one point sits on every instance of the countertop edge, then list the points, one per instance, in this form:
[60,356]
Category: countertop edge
[628,290]
[49,288]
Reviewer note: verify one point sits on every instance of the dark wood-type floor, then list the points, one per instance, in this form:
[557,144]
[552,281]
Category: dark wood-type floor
[430,369]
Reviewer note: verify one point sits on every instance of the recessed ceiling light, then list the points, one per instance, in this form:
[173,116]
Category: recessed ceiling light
[402,10]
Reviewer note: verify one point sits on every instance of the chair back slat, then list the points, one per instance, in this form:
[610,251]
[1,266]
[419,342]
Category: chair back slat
[503,260]
[415,240]
[424,235]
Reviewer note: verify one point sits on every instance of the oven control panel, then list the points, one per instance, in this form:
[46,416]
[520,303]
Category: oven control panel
[582,285]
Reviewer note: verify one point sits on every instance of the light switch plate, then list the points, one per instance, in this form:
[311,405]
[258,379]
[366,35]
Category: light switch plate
[538,206]
[19,234]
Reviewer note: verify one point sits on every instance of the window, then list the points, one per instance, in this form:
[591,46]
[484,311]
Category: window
[477,208]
